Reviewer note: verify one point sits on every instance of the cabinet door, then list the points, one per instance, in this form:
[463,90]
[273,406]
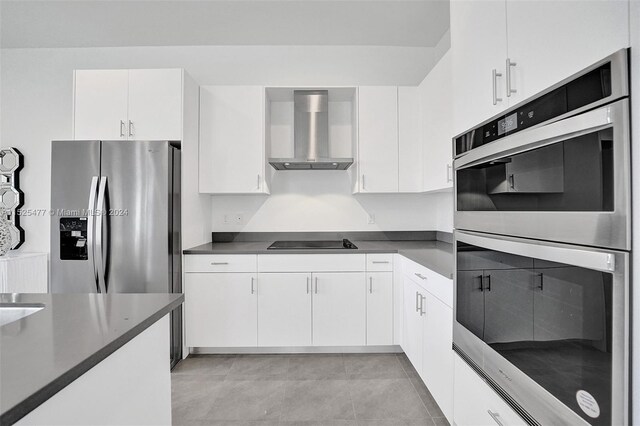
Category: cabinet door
[437,362]
[409,142]
[413,323]
[435,111]
[231,139]
[100,104]
[378,138]
[550,41]
[284,309]
[478,45]
[221,310]
[475,403]
[339,309]
[155,104]
[379,308]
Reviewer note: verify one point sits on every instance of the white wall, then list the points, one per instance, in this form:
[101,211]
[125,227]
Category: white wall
[322,201]
[36,101]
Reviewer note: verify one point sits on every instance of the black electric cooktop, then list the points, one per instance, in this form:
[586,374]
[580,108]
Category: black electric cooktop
[313,245]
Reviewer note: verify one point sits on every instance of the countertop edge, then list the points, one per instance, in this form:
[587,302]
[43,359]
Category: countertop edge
[20,410]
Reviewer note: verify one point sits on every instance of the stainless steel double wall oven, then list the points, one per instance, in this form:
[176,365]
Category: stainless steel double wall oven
[543,245]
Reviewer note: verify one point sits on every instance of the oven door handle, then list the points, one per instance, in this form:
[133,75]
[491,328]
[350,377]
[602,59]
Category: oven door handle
[586,258]
[549,134]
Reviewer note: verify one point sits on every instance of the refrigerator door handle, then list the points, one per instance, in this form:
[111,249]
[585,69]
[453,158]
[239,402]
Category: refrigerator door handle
[100,248]
[90,228]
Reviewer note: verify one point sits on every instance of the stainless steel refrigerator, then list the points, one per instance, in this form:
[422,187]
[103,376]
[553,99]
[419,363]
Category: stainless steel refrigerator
[115,220]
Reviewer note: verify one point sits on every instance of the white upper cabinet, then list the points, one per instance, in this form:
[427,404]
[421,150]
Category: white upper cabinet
[478,46]
[378,138]
[508,50]
[550,41]
[436,109]
[409,142]
[155,103]
[100,104]
[232,140]
[128,104]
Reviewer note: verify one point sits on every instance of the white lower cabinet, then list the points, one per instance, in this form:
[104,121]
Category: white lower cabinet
[437,358]
[339,309]
[428,330]
[475,403]
[413,323]
[288,300]
[379,308]
[221,309]
[284,309]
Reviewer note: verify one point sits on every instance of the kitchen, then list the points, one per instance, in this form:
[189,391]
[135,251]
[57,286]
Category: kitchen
[398,98]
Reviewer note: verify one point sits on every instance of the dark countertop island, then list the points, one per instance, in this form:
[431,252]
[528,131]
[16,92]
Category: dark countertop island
[42,353]
[433,254]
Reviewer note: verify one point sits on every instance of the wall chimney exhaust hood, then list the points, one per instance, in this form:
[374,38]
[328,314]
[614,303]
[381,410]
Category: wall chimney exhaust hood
[311,135]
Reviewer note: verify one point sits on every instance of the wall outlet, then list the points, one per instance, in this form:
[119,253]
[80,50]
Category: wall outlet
[233,218]
[371,219]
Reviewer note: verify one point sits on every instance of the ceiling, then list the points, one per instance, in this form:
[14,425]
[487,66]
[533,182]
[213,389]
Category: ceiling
[115,23]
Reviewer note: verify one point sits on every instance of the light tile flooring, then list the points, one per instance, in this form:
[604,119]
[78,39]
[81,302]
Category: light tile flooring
[314,390]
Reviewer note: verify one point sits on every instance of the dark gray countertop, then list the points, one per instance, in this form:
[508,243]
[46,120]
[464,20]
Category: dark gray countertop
[435,255]
[44,352]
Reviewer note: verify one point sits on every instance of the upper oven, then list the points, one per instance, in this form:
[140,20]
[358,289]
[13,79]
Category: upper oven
[556,168]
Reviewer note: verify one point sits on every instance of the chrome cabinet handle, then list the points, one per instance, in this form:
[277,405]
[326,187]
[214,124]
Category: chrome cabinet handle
[121,128]
[316,285]
[252,288]
[512,182]
[422,277]
[131,129]
[219,263]
[363,187]
[258,182]
[417,307]
[495,417]
[422,311]
[449,173]
[370,285]
[380,261]
[90,226]
[510,64]
[494,75]
[307,285]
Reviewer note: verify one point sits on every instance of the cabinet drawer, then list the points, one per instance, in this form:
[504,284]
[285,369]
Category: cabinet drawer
[311,263]
[380,262]
[476,403]
[434,283]
[220,263]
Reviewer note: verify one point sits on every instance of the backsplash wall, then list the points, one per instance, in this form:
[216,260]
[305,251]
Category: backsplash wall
[322,201]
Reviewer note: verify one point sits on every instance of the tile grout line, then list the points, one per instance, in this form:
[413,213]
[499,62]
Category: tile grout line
[416,390]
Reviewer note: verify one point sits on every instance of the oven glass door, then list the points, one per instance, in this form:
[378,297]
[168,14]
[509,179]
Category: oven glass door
[553,320]
[533,183]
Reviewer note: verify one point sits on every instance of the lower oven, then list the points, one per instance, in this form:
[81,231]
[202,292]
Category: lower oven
[546,324]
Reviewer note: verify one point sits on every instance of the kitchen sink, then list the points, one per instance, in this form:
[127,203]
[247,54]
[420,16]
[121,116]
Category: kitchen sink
[10,312]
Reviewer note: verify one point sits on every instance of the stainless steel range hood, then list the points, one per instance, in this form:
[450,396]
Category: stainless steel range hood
[311,135]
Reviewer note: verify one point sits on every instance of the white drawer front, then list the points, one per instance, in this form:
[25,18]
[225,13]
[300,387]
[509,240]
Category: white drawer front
[434,283]
[311,262]
[380,262]
[220,263]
